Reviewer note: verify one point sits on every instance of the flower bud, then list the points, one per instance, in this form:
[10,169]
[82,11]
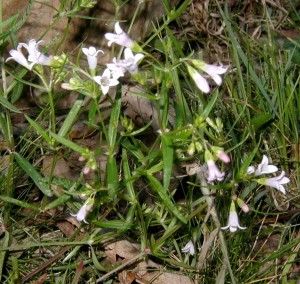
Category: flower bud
[191,149]
[242,205]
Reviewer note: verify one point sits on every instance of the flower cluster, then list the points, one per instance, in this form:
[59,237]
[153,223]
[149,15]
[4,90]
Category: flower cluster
[277,182]
[34,55]
[265,168]
[117,68]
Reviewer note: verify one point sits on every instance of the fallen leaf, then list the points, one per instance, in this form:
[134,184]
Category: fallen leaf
[121,250]
[127,277]
[149,270]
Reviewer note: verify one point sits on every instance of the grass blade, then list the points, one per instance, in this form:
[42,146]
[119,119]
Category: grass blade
[157,186]
[34,174]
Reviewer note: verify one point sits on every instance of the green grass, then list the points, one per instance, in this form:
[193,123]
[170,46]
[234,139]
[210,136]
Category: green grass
[144,191]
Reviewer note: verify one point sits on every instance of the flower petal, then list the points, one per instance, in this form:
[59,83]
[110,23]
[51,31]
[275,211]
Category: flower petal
[118,28]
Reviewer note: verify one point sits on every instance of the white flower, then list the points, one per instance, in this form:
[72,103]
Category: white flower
[265,168]
[120,37]
[199,80]
[34,55]
[250,170]
[189,248]
[18,56]
[105,81]
[129,63]
[213,71]
[276,182]
[91,54]
[83,211]
[233,221]
[116,69]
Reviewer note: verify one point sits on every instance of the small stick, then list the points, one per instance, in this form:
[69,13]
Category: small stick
[122,266]
[46,264]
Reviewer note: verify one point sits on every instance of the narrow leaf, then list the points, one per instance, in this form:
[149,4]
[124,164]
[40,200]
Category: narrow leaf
[4,102]
[167,153]
[157,186]
[68,122]
[114,121]
[34,174]
[69,143]
[39,129]
[112,176]
[19,203]
[57,202]
[210,105]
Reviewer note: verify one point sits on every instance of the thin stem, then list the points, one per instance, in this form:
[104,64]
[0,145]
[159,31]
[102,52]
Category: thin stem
[213,212]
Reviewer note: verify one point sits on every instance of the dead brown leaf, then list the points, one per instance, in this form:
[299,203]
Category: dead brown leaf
[41,279]
[127,277]
[57,166]
[121,251]
[149,271]
[142,110]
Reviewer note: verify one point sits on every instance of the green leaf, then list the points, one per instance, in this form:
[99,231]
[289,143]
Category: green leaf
[168,154]
[157,186]
[114,224]
[136,152]
[127,176]
[37,178]
[261,120]
[96,263]
[4,102]
[70,144]
[9,22]
[17,91]
[19,203]
[248,160]
[211,104]
[68,122]
[112,178]
[39,129]
[57,202]
[114,121]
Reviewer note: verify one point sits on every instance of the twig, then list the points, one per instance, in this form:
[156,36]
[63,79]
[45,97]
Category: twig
[122,266]
[46,264]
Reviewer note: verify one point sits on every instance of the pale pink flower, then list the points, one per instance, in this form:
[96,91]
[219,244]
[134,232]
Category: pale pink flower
[129,63]
[84,210]
[265,168]
[120,37]
[214,72]
[213,172]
